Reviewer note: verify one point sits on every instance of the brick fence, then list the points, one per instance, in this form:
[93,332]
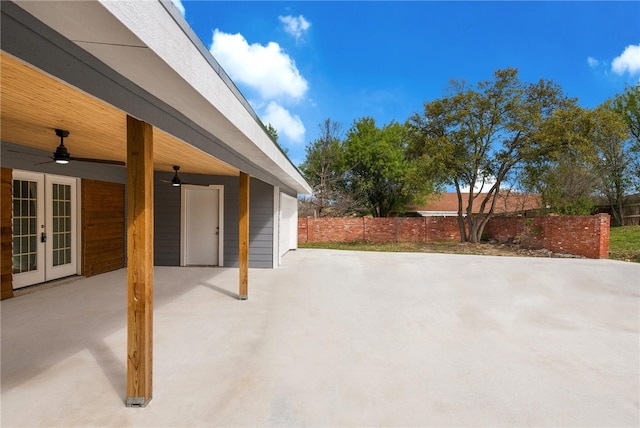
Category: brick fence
[586,236]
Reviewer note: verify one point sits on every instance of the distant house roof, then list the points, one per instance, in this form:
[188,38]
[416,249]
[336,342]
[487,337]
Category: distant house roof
[446,204]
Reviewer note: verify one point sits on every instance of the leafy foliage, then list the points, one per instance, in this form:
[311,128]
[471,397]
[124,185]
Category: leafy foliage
[377,172]
[565,178]
[324,168]
[473,134]
[614,160]
[367,173]
[273,133]
[498,134]
[594,156]
[628,106]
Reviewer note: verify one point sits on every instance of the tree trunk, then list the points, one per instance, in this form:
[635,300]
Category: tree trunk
[463,232]
[471,220]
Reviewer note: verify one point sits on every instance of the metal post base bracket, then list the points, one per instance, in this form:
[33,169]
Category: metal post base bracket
[137,402]
[243,297]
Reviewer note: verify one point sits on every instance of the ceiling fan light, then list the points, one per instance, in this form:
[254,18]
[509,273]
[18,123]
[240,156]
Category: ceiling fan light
[61,155]
[175,182]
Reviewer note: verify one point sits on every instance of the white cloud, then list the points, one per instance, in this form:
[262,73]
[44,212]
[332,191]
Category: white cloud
[295,26]
[267,69]
[593,63]
[178,4]
[628,61]
[483,184]
[287,124]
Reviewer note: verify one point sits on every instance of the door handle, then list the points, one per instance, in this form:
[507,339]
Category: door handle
[43,237]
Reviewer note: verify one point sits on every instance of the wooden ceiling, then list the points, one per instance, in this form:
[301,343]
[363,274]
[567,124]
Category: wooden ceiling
[33,105]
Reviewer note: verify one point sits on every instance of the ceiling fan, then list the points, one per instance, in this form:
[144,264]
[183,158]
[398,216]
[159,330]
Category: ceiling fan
[62,156]
[177,182]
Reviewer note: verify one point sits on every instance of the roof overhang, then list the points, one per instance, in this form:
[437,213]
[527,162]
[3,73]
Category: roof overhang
[202,118]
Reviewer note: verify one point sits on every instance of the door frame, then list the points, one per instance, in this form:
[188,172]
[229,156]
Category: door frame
[183,221]
[44,179]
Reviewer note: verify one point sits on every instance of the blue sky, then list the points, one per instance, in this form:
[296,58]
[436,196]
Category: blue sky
[299,63]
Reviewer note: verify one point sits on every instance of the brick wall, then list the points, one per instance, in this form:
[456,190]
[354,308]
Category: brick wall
[586,236]
[338,229]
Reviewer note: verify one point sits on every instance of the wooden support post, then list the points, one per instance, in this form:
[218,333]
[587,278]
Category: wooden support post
[243,294]
[140,262]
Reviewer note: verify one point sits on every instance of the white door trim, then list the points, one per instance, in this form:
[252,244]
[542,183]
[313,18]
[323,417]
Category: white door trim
[183,223]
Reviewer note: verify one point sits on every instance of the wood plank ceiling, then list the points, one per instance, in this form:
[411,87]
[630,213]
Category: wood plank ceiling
[33,105]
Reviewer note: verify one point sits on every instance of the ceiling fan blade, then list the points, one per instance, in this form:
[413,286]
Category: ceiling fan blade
[195,184]
[28,153]
[183,183]
[105,161]
[42,163]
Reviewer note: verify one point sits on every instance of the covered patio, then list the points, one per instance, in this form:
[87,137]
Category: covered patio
[102,103]
[337,338]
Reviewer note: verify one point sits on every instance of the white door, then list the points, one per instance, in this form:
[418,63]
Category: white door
[44,228]
[201,232]
[288,238]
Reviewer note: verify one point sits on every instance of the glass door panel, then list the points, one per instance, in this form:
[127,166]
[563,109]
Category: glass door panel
[61,244]
[28,220]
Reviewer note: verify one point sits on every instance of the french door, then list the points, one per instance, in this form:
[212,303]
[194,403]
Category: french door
[44,227]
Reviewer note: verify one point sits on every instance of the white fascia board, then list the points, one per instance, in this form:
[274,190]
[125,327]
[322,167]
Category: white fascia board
[158,30]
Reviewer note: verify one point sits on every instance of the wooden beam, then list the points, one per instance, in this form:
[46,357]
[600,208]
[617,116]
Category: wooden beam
[243,294]
[140,262]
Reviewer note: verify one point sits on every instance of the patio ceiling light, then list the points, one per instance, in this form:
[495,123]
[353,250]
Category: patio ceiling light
[175,181]
[62,156]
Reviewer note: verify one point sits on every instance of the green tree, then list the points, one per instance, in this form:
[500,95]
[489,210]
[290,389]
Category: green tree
[477,136]
[273,133]
[377,173]
[323,168]
[565,178]
[628,106]
[614,159]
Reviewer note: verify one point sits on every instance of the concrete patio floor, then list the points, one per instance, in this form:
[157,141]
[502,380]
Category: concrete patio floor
[337,338]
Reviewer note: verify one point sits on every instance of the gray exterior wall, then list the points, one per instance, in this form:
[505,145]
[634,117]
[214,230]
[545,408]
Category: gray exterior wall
[167,220]
[167,205]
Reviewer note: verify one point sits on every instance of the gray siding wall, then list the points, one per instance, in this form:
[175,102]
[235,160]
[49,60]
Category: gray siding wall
[167,220]
[167,205]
